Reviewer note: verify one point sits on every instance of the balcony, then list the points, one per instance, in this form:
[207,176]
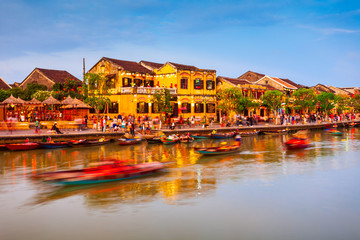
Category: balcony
[144,90]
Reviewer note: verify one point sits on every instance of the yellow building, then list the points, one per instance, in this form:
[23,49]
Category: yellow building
[133,84]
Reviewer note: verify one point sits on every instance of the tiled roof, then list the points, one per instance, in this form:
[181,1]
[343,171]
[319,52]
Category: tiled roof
[4,85]
[251,76]
[267,86]
[184,67]
[322,88]
[291,82]
[284,83]
[235,81]
[57,76]
[129,66]
[152,64]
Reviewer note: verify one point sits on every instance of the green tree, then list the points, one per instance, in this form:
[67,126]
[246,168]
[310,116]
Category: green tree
[17,92]
[70,87]
[355,102]
[343,103]
[305,99]
[272,100]
[4,94]
[41,95]
[97,91]
[228,99]
[32,88]
[326,102]
[161,100]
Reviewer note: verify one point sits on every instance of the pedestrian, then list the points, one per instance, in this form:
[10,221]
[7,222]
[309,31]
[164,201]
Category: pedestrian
[37,126]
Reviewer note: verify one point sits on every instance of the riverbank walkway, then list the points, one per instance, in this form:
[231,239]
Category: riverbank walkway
[7,136]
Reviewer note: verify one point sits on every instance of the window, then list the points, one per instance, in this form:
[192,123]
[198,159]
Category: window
[186,108]
[198,83]
[148,83]
[199,107]
[127,82]
[138,82]
[142,107]
[110,83]
[210,108]
[184,83]
[155,108]
[114,107]
[210,85]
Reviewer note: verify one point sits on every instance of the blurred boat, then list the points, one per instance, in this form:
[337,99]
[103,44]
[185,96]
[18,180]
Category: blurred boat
[186,139]
[129,141]
[104,172]
[154,140]
[248,134]
[218,150]
[3,147]
[333,131]
[297,143]
[22,146]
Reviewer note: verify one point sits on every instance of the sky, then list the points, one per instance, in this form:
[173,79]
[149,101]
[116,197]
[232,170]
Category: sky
[308,42]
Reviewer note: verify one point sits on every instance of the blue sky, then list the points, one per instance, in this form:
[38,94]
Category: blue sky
[306,41]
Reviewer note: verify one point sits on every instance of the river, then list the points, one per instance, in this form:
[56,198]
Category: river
[262,192]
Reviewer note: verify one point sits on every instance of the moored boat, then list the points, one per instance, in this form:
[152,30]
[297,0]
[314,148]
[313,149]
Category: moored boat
[129,141]
[248,134]
[153,140]
[88,143]
[54,144]
[170,139]
[200,136]
[22,146]
[223,135]
[104,172]
[276,132]
[3,147]
[186,139]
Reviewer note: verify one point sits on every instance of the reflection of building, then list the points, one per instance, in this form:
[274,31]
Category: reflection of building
[47,77]
[133,84]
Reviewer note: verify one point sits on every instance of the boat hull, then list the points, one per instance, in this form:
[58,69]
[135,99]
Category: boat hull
[54,145]
[22,146]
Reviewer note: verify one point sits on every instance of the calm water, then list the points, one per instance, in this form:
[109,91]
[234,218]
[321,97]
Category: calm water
[263,192]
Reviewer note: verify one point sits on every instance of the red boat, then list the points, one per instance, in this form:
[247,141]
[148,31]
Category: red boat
[297,143]
[22,146]
[129,141]
[105,172]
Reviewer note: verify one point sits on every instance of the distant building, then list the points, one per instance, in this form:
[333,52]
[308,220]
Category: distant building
[47,77]
[251,76]
[4,85]
[284,85]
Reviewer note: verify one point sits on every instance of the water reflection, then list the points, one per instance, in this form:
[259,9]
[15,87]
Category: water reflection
[189,177]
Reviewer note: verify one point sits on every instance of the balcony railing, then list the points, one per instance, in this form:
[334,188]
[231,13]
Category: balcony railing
[145,90]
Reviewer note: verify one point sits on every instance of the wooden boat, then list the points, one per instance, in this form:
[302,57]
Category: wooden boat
[200,136]
[276,132]
[297,143]
[218,150]
[88,143]
[223,135]
[334,132]
[129,141]
[248,134]
[170,139]
[104,172]
[3,147]
[186,139]
[154,140]
[22,146]
[54,144]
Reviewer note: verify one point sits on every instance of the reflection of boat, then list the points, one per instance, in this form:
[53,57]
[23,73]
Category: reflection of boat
[200,136]
[129,141]
[154,140]
[88,143]
[105,172]
[297,143]
[22,146]
[54,144]
[276,132]
[223,135]
[248,134]
[218,150]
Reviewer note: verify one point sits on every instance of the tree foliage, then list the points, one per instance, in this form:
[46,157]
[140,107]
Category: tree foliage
[161,98]
[326,101]
[97,91]
[305,99]
[41,95]
[272,99]
[31,89]
[70,88]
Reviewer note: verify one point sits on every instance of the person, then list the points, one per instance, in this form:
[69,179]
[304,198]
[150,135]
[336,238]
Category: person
[55,128]
[37,126]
